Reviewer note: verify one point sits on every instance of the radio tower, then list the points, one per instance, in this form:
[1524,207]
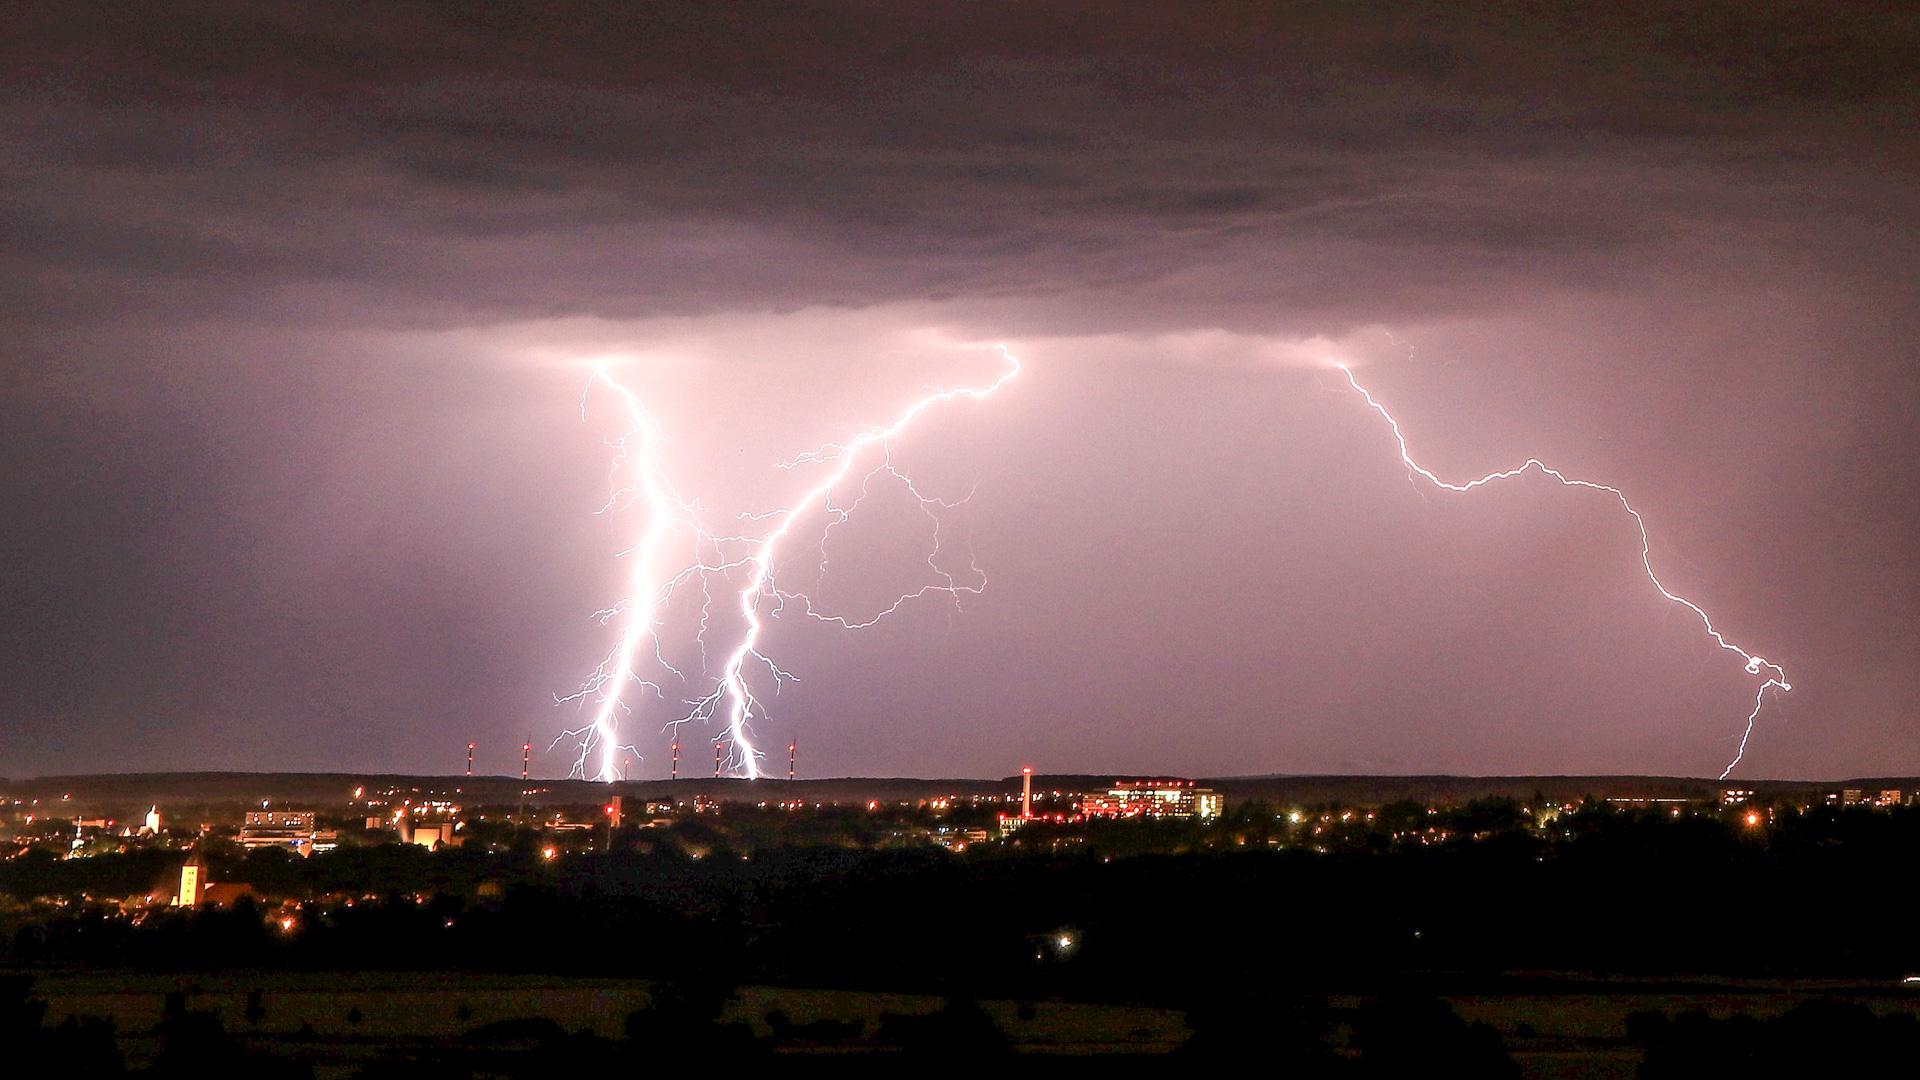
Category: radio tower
[526,760]
[674,773]
[793,757]
[469,759]
[716,759]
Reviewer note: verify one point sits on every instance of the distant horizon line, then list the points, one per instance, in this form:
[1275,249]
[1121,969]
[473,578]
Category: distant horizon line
[778,780]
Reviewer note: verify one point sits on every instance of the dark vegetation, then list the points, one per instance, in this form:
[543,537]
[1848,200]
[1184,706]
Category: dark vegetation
[682,1026]
[1246,924]
[1817,1038]
[1593,891]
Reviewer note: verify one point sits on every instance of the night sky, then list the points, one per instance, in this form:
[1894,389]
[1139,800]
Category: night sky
[299,304]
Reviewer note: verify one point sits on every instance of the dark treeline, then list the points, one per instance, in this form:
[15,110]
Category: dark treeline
[1821,1037]
[1595,891]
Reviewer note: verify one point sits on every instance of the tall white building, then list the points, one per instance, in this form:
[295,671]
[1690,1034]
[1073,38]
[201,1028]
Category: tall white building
[193,882]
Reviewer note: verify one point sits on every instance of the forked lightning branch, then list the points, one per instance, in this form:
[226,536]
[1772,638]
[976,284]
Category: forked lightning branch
[676,554]
[743,565]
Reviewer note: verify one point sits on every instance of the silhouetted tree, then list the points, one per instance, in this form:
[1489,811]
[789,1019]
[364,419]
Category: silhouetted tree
[194,1043]
[1417,1035]
[959,1030]
[80,1046]
[1292,1034]
[683,1018]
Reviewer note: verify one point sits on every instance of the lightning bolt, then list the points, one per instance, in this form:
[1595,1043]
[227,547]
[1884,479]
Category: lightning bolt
[1774,677]
[650,588]
[734,697]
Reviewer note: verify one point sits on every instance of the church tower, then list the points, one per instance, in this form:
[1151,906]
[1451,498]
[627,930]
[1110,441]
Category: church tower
[193,882]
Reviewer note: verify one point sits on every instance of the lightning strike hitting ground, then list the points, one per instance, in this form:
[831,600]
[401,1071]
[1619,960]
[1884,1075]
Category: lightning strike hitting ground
[666,514]
[714,558]
[734,697]
[1775,677]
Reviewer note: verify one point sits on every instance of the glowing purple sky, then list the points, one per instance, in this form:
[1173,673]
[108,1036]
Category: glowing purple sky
[297,314]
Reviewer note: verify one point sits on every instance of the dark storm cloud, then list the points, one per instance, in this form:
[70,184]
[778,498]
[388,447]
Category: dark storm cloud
[273,497]
[436,165]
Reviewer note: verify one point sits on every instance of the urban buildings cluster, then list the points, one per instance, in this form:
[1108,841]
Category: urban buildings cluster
[439,815]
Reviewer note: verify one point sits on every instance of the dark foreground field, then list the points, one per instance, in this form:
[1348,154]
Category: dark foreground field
[340,1023]
[1755,940]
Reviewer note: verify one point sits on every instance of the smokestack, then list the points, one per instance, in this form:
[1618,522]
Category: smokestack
[1026,793]
[675,773]
[793,758]
[469,759]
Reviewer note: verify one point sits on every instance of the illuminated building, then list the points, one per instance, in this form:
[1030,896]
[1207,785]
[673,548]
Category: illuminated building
[1155,798]
[1208,803]
[958,840]
[1736,796]
[284,828]
[81,827]
[153,820]
[436,835]
[193,882]
[227,894]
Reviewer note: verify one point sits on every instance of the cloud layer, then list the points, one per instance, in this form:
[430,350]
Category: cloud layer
[288,413]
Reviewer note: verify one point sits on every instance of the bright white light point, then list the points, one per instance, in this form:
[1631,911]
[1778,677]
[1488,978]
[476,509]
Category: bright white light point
[1776,678]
